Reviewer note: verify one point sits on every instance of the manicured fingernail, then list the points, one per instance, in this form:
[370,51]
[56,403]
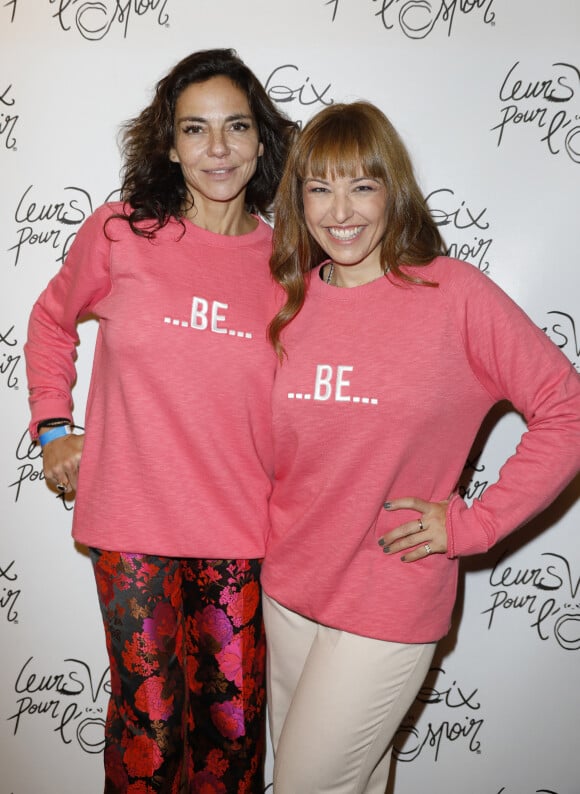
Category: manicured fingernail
[387,505]
[386,549]
[403,559]
[381,542]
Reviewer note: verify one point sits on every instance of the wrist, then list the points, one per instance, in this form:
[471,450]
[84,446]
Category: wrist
[48,434]
[46,423]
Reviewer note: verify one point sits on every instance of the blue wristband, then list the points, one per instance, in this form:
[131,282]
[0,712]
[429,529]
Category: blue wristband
[54,432]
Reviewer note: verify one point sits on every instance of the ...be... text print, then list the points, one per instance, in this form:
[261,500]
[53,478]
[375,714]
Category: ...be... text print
[9,594]
[70,700]
[29,470]
[459,220]
[51,225]
[208,315]
[417,19]
[9,361]
[287,85]
[95,19]
[549,104]
[332,383]
[546,596]
[460,723]
[561,328]
[8,119]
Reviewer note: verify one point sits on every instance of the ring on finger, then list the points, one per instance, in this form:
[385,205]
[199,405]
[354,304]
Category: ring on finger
[60,486]
[421,527]
[427,548]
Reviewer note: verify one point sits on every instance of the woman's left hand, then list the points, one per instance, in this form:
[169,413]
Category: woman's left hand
[428,532]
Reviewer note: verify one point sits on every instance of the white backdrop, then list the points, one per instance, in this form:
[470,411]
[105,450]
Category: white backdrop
[487,95]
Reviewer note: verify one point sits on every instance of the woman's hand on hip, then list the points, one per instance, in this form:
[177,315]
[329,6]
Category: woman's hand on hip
[425,535]
[60,461]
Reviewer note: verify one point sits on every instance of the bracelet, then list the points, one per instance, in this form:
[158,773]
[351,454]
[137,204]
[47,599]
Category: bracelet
[52,423]
[55,432]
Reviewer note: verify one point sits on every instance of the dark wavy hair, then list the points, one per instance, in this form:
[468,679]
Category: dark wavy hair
[153,187]
[343,140]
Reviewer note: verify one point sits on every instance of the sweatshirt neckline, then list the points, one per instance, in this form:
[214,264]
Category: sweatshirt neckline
[328,292]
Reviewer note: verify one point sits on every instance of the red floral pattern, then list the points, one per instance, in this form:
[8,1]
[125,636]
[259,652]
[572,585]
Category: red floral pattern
[149,699]
[187,653]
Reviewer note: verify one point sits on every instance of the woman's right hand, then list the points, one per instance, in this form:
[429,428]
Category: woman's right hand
[60,461]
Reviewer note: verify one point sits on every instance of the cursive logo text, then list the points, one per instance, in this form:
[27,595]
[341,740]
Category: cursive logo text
[29,470]
[561,329]
[287,85]
[458,219]
[546,596]
[461,721]
[52,225]
[8,119]
[8,595]
[95,19]
[71,699]
[8,361]
[549,105]
[417,19]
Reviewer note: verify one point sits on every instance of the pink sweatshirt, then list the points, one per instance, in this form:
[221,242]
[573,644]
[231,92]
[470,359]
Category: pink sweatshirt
[178,454]
[382,394]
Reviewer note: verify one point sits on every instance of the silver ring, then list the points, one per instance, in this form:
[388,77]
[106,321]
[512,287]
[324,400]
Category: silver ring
[60,486]
[421,527]
[427,548]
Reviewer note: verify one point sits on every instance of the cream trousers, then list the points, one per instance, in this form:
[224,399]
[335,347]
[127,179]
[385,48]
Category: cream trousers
[335,701]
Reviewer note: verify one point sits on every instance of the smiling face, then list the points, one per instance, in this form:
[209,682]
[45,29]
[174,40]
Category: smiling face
[346,215]
[216,145]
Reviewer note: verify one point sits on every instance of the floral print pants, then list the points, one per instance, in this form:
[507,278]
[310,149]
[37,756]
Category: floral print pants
[187,653]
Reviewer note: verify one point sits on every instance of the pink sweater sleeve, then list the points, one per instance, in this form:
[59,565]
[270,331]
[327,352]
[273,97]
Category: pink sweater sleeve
[514,360]
[50,349]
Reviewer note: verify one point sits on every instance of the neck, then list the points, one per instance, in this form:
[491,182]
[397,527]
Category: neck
[228,218]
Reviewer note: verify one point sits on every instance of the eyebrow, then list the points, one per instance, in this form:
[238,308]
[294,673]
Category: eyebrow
[354,179]
[233,117]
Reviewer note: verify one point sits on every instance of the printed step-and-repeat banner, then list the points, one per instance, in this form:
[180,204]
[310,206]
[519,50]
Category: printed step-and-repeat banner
[486,93]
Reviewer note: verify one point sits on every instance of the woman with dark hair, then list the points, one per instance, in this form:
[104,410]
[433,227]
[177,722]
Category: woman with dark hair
[173,475]
[391,355]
